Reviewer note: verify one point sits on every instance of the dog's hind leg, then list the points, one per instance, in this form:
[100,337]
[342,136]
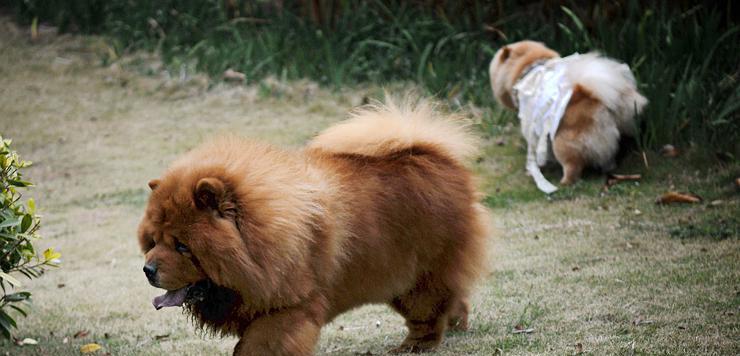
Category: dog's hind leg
[430,309]
[426,311]
[457,320]
[570,145]
[571,173]
[569,156]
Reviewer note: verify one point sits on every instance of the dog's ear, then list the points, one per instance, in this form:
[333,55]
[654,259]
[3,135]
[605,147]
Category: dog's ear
[153,184]
[505,53]
[211,193]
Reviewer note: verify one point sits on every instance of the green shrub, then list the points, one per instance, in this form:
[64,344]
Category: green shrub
[18,230]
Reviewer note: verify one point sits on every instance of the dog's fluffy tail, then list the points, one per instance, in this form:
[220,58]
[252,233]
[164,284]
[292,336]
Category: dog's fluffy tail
[613,84]
[382,129]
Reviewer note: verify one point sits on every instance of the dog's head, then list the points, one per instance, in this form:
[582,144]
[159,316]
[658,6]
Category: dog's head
[237,214]
[184,218]
[508,64]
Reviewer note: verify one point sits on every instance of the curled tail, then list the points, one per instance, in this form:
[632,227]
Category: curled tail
[613,84]
[382,129]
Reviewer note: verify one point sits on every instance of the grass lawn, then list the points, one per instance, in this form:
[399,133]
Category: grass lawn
[584,271]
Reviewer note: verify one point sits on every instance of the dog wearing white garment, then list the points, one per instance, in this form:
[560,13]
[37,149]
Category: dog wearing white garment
[572,110]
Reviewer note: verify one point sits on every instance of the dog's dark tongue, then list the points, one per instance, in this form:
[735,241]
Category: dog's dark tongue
[173,298]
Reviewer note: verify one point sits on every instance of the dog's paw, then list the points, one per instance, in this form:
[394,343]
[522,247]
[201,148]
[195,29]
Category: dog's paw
[412,349]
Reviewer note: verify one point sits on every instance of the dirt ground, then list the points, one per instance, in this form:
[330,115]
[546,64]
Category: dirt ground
[585,271]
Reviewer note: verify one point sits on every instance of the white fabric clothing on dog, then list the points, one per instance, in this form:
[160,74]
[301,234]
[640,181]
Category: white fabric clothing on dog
[542,96]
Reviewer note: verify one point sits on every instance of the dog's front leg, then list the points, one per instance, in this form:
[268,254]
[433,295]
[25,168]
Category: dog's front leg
[293,331]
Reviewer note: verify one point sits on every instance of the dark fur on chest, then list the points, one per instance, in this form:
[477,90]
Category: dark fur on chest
[215,309]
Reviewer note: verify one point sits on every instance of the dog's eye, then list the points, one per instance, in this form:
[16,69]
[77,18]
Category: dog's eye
[181,248]
[149,244]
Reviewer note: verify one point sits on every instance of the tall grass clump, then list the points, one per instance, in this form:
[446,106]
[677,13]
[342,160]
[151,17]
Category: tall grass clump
[684,53]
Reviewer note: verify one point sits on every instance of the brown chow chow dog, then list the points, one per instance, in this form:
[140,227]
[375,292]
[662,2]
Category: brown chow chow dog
[269,244]
[583,103]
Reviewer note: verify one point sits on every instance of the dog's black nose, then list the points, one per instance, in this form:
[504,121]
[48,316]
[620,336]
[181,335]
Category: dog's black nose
[150,271]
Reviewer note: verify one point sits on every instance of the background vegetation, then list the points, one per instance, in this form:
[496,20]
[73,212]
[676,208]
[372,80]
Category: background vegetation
[684,53]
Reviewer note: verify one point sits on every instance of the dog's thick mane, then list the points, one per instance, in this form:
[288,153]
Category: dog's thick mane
[213,309]
[281,194]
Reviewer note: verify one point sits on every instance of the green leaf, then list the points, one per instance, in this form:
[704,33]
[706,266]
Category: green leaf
[4,317]
[27,251]
[6,323]
[17,297]
[10,279]
[33,271]
[31,206]
[19,310]
[26,273]
[10,222]
[26,222]
[19,183]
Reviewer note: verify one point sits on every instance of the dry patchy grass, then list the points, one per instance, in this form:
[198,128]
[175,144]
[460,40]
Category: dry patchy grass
[613,273]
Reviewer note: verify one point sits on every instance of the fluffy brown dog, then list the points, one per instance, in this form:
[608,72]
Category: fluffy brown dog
[269,244]
[582,104]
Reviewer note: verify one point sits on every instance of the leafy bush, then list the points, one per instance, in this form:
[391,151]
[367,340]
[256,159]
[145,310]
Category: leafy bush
[18,230]
[684,54]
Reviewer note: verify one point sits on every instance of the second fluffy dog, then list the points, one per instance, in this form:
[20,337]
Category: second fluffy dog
[572,109]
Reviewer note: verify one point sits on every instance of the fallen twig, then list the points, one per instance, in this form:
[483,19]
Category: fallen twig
[613,179]
[523,331]
[644,159]
[676,197]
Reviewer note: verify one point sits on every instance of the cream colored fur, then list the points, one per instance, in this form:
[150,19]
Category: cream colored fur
[505,73]
[381,129]
[600,145]
[613,84]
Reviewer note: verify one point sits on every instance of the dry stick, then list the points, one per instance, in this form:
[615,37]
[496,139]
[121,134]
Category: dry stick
[523,331]
[644,159]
